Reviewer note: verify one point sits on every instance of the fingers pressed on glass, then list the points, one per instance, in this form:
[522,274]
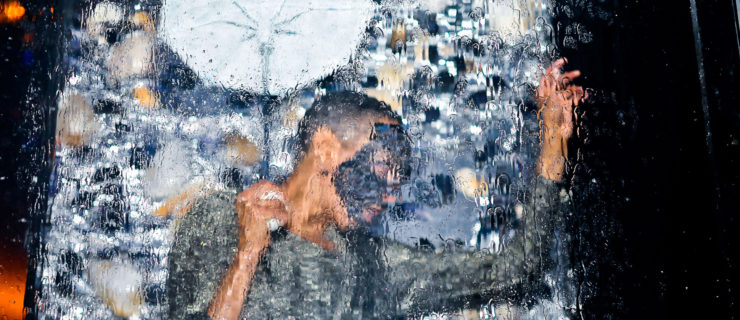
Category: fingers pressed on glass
[557,65]
[569,76]
[579,94]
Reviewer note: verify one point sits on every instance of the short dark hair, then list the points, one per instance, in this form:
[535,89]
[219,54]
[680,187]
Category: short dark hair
[337,111]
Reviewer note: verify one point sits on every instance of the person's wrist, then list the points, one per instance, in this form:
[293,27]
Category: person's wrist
[552,146]
[254,239]
[552,155]
[248,251]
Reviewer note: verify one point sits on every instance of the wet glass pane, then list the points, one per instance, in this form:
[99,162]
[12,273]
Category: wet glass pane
[359,159]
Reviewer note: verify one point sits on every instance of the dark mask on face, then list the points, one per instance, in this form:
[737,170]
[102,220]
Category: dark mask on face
[377,169]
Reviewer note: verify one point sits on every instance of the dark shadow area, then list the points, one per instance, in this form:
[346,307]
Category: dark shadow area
[30,75]
[657,188]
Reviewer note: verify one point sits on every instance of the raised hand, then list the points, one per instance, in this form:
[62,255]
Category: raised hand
[556,98]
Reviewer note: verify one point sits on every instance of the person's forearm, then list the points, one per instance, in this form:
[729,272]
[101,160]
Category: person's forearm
[553,153]
[232,292]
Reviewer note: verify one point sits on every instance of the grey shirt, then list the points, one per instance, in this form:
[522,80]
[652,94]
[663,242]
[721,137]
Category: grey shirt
[364,277]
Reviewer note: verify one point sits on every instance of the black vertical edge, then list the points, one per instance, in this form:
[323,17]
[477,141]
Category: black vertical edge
[47,76]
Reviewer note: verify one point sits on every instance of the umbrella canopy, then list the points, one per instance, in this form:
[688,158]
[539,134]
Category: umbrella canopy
[264,46]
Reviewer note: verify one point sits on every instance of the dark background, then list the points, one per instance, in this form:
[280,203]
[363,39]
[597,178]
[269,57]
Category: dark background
[657,198]
[655,226]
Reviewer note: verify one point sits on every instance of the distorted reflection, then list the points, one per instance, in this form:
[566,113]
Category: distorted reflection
[290,159]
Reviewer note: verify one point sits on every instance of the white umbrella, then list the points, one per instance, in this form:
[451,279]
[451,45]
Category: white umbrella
[264,46]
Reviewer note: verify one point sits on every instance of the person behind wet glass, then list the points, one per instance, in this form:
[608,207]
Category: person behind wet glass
[352,159]
[342,138]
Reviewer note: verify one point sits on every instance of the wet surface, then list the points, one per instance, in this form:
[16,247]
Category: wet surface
[649,229]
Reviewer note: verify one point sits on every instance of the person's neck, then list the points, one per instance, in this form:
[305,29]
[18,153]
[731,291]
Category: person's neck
[296,187]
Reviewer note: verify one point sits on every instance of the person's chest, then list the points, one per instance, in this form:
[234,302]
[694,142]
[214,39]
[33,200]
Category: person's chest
[300,279]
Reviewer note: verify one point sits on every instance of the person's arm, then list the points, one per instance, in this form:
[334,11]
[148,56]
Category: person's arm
[255,206]
[436,280]
[231,294]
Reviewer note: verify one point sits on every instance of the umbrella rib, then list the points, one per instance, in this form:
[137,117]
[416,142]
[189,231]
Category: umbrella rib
[286,32]
[291,19]
[280,10]
[333,9]
[227,22]
[244,12]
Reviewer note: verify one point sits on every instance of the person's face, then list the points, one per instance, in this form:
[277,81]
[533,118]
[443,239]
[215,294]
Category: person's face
[370,182]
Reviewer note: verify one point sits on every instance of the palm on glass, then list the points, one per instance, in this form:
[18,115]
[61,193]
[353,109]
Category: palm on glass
[557,97]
